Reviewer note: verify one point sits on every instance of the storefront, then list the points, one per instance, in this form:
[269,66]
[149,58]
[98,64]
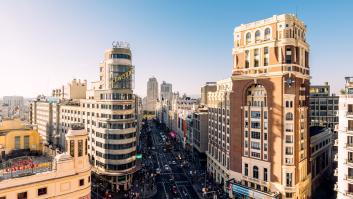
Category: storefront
[242,192]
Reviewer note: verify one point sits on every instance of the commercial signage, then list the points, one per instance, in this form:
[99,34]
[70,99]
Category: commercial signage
[123,76]
[243,191]
[138,156]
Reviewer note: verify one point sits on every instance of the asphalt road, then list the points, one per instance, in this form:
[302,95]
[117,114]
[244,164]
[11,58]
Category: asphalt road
[174,176]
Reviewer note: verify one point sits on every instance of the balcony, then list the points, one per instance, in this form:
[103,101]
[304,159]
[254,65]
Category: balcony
[335,143]
[349,114]
[335,187]
[335,172]
[349,162]
[336,127]
[349,178]
[335,158]
[349,146]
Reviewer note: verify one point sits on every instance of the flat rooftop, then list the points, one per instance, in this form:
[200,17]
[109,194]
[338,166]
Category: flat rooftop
[12,124]
[25,166]
[314,130]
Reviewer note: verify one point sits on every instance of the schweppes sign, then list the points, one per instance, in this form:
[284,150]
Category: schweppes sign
[123,76]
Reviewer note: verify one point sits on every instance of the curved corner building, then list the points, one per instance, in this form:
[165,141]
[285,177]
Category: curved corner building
[113,132]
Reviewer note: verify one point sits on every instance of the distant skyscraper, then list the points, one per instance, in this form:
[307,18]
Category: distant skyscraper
[166,91]
[152,95]
[270,142]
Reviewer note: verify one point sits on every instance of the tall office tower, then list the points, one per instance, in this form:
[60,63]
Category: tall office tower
[269,109]
[219,131]
[344,172]
[108,111]
[166,91]
[323,106]
[152,95]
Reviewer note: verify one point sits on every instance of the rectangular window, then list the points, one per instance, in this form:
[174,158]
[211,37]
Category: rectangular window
[266,56]
[255,125]
[289,195]
[246,170]
[289,179]
[86,147]
[255,114]
[255,135]
[256,55]
[289,150]
[255,145]
[265,174]
[247,59]
[350,125]
[80,148]
[26,142]
[22,195]
[17,142]
[72,148]
[289,139]
[82,182]
[42,191]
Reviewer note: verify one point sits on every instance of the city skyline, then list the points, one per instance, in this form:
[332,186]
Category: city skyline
[64,40]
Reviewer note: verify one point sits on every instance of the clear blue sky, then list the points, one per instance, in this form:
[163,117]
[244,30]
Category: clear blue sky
[44,44]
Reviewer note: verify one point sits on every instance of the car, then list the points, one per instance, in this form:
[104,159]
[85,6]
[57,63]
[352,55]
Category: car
[153,148]
[158,171]
[174,190]
[173,162]
[166,167]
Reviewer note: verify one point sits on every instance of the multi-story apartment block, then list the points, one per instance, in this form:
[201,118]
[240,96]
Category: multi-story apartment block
[323,106]
[152,95]
[321,155]
[108,112]
[219,131]
[344,172]
[269,147]
[200,129]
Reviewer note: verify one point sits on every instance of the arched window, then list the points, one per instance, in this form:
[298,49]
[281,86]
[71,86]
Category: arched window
[255,172]
[267,33]
[289,116]
[257,35]
[248,37]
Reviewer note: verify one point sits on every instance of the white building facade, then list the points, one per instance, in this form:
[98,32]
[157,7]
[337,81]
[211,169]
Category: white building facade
[344,172]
